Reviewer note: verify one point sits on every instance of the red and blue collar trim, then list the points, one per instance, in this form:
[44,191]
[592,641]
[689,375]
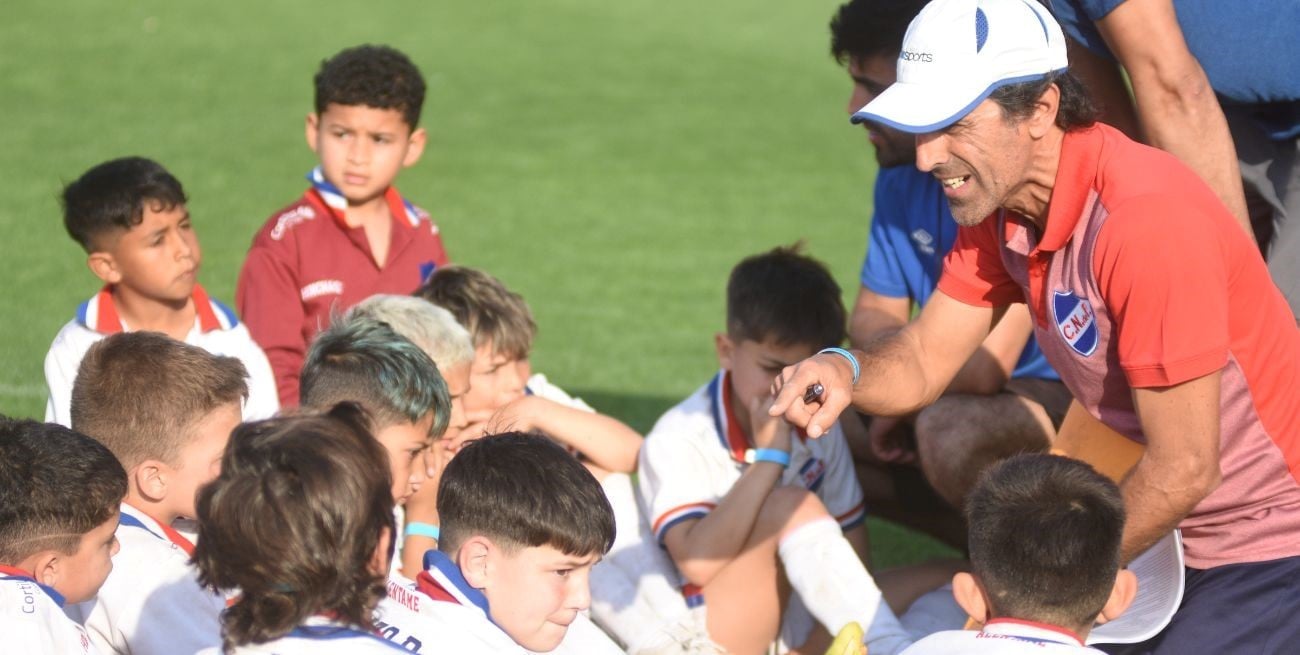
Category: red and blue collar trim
[730,434]
[1031,631]
[319,628]
[134,518]
[15,573]
[442,581]
[337,204]
[100,313]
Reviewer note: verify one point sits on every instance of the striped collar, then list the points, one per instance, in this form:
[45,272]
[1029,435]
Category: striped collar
[325,628]
[730,434]
[100,313]
[1031,631]
[441,580]
[333,200]
[135,518]
[15,573]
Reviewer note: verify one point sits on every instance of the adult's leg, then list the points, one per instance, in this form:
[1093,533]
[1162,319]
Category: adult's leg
[1237,608]
[960,435]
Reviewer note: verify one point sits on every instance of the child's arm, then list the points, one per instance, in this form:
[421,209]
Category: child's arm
[422,507]
[702,547]
[606,441]
[268,300]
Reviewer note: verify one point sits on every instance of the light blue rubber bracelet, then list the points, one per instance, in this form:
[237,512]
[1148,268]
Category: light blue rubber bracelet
[853,361]
[417,529]
[772,455]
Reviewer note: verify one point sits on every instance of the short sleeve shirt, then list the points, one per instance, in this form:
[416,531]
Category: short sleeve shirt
[33,619]
[695,454]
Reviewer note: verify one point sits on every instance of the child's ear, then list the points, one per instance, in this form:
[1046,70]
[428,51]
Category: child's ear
[47,567]
[1121,596]
[383,555]
[474,560]
[104,267]
[313,122]
[970,596]
[415,146]
[151,478]
[725,347]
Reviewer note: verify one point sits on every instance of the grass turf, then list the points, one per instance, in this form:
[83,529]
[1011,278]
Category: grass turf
[609,160]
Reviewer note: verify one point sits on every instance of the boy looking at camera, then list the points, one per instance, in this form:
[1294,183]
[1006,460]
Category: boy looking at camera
[351,234]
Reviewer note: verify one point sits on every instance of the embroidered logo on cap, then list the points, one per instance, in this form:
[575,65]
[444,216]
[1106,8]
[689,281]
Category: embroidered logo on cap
[1076,321]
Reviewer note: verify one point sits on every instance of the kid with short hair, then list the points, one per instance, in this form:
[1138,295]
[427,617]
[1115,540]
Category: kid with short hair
[437,333]
[1045,538]
[523,523]
[351,234]
[165,409]
[59,497]
[130,216]
[298,528]
[741,500]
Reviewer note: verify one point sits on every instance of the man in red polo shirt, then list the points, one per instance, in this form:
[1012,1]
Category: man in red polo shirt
[1150,302]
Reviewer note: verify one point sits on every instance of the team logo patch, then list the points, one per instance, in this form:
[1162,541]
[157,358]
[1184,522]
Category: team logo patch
[1076,321]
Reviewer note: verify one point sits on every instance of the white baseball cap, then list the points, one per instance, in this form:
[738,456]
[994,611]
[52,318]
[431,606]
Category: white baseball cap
[957,52]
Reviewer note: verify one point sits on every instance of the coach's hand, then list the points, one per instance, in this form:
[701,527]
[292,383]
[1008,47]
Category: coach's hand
[836,377]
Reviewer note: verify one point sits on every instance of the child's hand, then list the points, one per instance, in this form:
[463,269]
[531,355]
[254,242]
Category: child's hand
[768,431]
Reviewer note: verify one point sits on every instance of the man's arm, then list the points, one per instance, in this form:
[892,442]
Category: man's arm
[1181,464]
[1177,108]
[900,373]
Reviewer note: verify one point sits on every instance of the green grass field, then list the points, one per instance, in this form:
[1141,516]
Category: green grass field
[609,160]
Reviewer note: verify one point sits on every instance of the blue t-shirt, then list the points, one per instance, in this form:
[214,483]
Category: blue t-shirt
[911,232]
[1250,50]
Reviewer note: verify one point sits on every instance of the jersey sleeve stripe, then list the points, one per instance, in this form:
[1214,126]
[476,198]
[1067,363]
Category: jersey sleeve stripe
[677,515]
[853,517]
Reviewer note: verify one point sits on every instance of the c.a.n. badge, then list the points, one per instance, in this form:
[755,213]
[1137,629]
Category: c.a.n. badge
[1075,321]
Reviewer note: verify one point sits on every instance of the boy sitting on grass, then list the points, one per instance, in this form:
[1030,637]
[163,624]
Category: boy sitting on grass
[351,234]
[298,528]
[523,523]
[59,498]
[130,216]
[166,410]
[743,502]
[1045,553]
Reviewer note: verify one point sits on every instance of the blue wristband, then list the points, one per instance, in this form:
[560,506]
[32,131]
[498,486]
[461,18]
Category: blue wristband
[853,361]
[773,455]
[417,529]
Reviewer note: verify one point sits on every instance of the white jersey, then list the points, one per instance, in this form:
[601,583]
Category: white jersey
[33,621]
[695,454]
[457,621]
[1003,637]
[152,602]
[539,386]
[215,330]
[318,637]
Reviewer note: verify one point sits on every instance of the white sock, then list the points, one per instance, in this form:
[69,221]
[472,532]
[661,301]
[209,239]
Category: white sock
[835,586]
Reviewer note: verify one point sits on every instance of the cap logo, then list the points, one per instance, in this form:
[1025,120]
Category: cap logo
[908,55]
[981,29]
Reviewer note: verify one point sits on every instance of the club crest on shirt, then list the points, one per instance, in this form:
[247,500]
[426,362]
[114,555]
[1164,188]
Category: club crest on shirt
[1075,321]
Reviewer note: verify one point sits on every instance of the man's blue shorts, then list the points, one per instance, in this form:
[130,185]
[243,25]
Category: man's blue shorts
[1238,608]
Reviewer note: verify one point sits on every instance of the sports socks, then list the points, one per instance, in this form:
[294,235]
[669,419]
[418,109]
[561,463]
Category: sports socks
[835,586]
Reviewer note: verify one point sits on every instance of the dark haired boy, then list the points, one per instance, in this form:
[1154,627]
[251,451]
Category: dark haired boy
[1041,594]
[523,523]
[165,409]
[351,234]
[740,500]
[130,216]
[59,496]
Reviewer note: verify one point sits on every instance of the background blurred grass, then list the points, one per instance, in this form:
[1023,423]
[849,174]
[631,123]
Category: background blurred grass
[609,160]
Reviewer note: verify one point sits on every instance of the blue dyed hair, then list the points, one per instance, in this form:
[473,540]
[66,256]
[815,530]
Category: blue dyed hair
[362,360]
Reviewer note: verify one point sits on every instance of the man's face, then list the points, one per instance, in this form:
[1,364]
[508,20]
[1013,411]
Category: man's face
[88,568]
[981,160]
[871,76]
[405,444]
[535,592]
[199,461]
